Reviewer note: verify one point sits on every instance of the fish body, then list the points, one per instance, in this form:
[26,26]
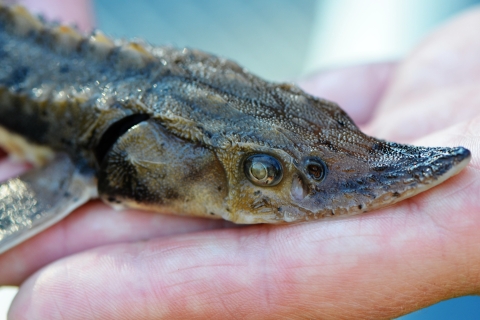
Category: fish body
[181,131]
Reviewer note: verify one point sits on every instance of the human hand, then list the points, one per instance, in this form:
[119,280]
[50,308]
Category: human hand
[98,263]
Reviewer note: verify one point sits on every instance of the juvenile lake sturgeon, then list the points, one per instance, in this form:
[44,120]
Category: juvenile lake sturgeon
[181,131]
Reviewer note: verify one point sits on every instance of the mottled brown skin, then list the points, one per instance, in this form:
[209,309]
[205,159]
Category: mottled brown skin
[206,115]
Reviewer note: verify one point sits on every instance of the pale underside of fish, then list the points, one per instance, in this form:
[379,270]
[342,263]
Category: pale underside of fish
[181,131]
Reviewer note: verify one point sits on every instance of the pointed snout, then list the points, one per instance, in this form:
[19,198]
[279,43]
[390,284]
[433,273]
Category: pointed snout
[398,172]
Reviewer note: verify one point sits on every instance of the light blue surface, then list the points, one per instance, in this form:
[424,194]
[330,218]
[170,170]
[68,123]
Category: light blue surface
[465,308]
[270,37]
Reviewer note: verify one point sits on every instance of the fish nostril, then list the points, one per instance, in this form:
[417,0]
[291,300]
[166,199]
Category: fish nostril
[316,169]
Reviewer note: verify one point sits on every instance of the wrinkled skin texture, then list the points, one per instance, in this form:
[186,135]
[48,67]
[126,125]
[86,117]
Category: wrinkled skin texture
[378,265]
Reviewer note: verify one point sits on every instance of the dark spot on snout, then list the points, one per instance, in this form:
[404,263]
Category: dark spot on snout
[380,168]
[329,145]
[379,148]
[392,175]
[360,206]
[396,194]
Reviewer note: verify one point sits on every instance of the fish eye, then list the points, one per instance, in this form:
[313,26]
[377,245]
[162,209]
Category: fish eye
[263,170]
[316,169]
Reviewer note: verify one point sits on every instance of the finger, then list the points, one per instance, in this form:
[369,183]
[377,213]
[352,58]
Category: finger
[445,71]
[379,265]
[449,57]
[78,12]
[425,114]
[356,89]
[94,224]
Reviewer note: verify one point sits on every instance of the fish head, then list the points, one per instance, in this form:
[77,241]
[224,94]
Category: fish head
[231,145]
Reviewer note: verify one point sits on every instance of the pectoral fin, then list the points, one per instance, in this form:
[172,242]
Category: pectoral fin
[41,197]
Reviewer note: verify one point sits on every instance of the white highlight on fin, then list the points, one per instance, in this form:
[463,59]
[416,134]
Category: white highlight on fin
[81,186]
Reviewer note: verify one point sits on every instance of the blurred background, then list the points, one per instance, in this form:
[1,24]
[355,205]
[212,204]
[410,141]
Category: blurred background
[281,39]
[285,40]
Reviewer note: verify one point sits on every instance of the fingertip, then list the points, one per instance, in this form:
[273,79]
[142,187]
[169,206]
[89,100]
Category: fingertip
[10,168]
[94,225]
[161,278]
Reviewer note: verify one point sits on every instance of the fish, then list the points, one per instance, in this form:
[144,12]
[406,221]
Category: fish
[181,131]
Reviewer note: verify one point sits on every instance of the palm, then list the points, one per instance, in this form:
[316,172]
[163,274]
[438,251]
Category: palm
[381,264]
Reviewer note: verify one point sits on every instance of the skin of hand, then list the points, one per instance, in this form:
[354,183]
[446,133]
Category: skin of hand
[102,264]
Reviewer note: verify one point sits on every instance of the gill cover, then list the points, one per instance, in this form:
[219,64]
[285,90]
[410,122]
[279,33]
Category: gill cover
[149,168]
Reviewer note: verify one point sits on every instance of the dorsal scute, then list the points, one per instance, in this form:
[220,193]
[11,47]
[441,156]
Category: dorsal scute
[133,55]
[98,46]
[18,20]
[66,40]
